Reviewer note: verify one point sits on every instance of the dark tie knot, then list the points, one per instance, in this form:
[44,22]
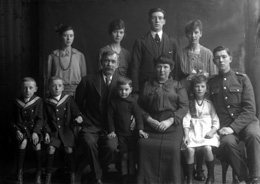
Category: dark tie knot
[157,38]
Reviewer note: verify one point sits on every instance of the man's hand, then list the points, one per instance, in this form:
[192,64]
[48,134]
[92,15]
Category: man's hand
[132,125]
[226,131]
[111,135]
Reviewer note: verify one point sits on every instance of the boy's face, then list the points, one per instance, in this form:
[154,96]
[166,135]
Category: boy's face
[124,90]
[28,89]
[157,21]
[56,87]
[200,89]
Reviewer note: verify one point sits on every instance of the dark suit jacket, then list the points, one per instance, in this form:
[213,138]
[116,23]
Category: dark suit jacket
[145,50]
[88,98]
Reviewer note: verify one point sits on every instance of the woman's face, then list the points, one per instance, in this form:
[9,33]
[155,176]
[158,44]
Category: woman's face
[118,35]
[163,71]
[194,36]
[67,38]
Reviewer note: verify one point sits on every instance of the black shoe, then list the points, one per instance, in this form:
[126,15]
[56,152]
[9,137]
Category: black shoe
[200,176]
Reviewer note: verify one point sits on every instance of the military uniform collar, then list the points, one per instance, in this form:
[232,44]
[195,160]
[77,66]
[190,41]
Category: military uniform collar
[225,75]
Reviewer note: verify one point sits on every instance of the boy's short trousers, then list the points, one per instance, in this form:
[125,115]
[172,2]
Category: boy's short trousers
[126,144]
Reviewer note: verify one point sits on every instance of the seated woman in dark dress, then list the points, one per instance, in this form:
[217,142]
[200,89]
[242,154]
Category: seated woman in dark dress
[165,103]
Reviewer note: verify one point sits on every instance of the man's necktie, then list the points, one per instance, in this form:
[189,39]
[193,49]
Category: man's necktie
[157,38]
[107,81]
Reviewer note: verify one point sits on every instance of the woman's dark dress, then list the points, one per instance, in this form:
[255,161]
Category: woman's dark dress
[159,155]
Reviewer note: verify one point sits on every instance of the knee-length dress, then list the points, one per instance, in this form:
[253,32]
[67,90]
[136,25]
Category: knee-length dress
[159,154]
[200,122]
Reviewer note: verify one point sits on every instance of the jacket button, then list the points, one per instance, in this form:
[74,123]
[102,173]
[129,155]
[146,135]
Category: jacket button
[228,106]
[226,97]
[225,78]
[225,87]
[59,126]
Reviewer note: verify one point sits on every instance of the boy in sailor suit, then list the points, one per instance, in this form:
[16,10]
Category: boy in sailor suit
[61,110]
[27,125]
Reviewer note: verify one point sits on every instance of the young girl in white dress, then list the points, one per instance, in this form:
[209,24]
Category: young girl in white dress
[200,126]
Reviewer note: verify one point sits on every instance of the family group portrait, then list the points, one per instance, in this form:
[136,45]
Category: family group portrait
[130,92]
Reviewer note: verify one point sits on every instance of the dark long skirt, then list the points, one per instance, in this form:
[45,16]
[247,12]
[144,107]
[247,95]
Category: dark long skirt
[159,158]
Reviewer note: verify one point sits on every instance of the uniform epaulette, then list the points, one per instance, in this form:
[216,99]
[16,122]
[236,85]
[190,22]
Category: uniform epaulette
[240,74]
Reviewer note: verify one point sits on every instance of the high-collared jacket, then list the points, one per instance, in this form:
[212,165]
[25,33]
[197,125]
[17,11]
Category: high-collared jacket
[233,97]
[59,117]
[119,115]
[145,50]
[28,117]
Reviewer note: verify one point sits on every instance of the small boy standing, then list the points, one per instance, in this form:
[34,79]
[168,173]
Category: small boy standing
[120,113]
[61,110]
[27,124]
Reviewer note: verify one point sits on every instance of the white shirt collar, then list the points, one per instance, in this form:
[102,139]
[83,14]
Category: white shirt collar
[110,78]
[57,97]
[159,33]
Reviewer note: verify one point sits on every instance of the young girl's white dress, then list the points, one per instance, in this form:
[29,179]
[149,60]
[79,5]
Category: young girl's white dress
[200,124]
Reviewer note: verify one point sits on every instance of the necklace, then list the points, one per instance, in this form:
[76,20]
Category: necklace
[60,63]
[200,104]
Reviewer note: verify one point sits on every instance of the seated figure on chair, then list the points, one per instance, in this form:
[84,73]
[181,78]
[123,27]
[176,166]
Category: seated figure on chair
[93,95]
[200,128]
[233,96]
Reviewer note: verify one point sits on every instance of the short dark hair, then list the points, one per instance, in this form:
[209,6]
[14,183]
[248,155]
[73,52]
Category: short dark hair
[116,25]
[28,79]
[152,10]
[192,25]
[123,80]
[53,78]
[60,28]
[220,48]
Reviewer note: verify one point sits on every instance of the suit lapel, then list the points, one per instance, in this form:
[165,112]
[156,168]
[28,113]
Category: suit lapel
[97,82]
[149,44]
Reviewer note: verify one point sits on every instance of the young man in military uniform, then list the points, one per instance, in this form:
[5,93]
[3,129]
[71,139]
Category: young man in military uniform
[233,96]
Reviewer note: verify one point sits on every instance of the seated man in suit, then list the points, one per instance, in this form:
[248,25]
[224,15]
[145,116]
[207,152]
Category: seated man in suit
[93,96]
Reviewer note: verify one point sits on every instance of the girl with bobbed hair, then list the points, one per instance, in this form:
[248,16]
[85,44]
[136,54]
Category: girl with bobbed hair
[116,31]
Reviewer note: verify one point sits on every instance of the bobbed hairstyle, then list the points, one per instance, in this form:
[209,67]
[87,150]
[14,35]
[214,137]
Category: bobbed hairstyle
[123,80]
[220,48]
[192,25]
[116,25]
[152,10]
[198,78]
[60,28]
[164,59]
[53,78]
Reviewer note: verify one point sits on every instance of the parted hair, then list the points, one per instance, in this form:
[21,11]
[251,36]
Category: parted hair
[60,28]
[116,25]
[123,80]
